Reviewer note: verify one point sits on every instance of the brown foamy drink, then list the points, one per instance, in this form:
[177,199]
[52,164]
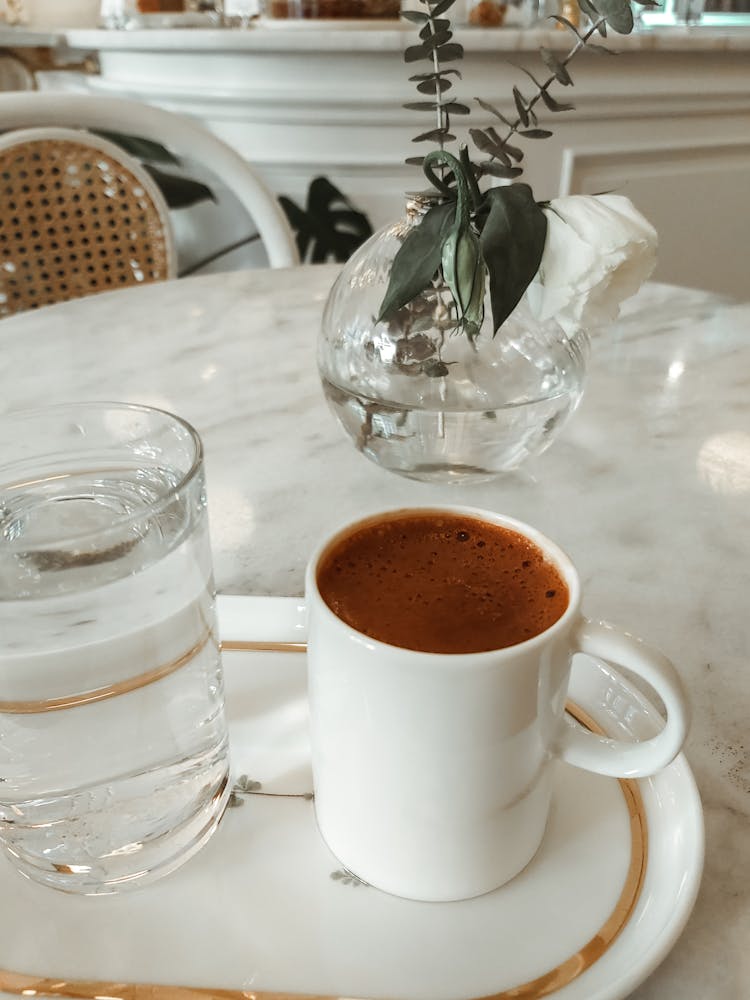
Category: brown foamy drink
[441,583]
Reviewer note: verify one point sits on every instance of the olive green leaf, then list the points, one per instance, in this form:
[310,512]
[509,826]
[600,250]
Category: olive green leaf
[417,260]
[566,24]
[492,110]
[555,65]
[512,242]
[179,192]
[415,16]
[435,25]
[436,40]
[143,149]
[450,52]
[589,9]
[434,84]
[414,52]
[464,273]
[552,105]
[500,170]
[521,108]
[618,13]
[329,227]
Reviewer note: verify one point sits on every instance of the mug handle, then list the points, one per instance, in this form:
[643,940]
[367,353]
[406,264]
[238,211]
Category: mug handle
[620,758]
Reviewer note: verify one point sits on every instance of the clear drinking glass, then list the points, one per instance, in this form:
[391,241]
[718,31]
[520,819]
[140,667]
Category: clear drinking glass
[113,739]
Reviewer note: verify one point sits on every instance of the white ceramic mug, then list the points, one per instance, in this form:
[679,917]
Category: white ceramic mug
[432,771]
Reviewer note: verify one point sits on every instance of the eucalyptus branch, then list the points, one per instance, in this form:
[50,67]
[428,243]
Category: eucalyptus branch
[469,238]
[438,93]
[435,46]
[498,147]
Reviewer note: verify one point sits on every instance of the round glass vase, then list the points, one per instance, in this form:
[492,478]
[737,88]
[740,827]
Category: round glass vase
[419,398]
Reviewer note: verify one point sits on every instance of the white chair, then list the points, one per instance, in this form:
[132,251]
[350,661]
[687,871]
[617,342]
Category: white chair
[181,136]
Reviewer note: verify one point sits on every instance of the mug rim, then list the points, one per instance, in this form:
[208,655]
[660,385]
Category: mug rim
[185,479]
[562,561]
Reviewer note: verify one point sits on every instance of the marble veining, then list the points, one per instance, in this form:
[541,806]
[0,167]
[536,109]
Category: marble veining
[647,488]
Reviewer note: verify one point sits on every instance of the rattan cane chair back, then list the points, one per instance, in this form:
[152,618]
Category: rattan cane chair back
[77,216]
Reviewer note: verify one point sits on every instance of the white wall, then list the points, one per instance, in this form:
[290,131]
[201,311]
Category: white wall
[45,14]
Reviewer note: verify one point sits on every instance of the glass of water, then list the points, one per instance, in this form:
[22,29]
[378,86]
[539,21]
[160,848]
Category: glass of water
[113,739]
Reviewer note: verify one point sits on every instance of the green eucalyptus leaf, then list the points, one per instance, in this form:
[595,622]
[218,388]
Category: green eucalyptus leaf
[418,259]
[454,108]
[421,106]
[552,105]
[414,161]
[512,241]
[556,67]
[536,133]
[414,52]
[500,170]
[432,26]
[415,16]
[619,15]
[523,114]
[600,50]
[435,135]
[481,141]
[513,151]
[450,52]
[566,24]
[436,40]
[588,8]
[434,86]
[530,75]
[493,111]
[432,76]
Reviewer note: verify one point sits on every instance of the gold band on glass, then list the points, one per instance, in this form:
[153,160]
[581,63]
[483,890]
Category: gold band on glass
[109,690]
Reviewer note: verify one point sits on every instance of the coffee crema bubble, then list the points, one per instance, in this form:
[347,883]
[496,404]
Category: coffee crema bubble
[441,583]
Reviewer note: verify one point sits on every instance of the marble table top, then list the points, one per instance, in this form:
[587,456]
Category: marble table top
[647,488]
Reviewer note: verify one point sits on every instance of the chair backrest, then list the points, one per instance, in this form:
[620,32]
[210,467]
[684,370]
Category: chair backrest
[77,216]
[179,134]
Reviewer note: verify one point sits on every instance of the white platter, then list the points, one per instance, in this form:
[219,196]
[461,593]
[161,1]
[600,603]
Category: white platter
[266,911]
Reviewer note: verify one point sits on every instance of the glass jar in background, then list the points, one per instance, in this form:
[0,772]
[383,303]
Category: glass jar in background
[13,12]
[419,398]
[502,13]
[487,13]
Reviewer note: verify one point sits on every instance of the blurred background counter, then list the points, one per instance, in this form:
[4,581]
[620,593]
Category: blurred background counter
[667,122]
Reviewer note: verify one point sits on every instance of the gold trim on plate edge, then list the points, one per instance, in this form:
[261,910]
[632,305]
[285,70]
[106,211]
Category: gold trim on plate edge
[34,986]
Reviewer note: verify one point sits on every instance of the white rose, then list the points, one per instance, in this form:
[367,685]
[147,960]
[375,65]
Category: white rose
[599,250]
